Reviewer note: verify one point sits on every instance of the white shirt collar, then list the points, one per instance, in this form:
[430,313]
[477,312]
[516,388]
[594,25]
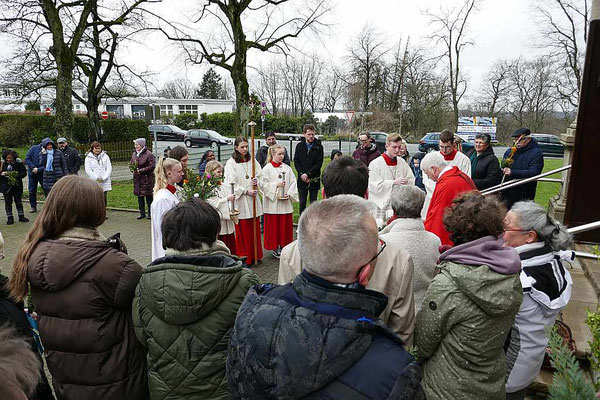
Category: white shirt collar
[448,168]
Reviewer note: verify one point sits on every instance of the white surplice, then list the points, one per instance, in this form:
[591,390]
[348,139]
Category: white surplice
[236,173]
[163,201]
[382,177]
[219,201]
[271,177]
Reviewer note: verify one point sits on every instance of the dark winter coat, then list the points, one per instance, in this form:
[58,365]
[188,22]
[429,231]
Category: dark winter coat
[82,289]
[310,339]
[528,162]
[184,310]
[143,180]
[262,153]
[485,168]
[59,165]
[18,166]
[73,160]
[366,155]
[13,316]
[417,171]
[32,158]
[309,162]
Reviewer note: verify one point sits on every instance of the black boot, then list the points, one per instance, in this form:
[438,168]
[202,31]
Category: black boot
[10,220]
[141,216]
[23,219]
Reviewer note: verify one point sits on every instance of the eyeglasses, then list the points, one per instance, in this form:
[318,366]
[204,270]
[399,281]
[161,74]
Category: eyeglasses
[382,245]
[516,230]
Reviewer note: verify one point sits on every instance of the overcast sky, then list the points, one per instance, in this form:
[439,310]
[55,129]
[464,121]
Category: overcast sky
[500,29]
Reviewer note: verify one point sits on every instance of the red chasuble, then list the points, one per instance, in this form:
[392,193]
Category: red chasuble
[448,186]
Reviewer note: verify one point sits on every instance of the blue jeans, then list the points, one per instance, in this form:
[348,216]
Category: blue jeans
[34,180]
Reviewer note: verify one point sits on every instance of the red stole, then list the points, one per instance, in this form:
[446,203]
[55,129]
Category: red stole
[389,161]
[450,156]
[171,189]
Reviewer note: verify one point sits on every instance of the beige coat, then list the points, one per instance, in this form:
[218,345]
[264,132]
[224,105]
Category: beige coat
[393,277]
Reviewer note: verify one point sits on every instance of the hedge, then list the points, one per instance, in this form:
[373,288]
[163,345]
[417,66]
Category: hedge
[26,129]
[224,123]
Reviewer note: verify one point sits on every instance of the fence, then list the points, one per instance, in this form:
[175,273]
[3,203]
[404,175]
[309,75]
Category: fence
[117,151]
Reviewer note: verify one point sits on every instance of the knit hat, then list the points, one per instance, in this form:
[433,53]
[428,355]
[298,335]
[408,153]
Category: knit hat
[141,141]
[61,140]
[521,132]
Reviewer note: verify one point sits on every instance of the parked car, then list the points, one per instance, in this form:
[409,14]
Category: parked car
[205,138]
[430,142]
[379,138]
[167,132]
[549,144]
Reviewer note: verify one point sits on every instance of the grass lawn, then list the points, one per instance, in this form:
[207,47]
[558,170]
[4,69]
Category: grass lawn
[546,190]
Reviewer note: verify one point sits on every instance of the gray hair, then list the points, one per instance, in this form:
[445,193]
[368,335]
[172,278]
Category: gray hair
[407,201]
[487,139]
[332,238]
[532,216]
[435,158]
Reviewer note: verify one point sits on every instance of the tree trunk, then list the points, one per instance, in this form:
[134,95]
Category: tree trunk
[63,105]
[94,130]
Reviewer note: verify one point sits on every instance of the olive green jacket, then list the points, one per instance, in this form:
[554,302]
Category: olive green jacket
[184,309]
[461,329]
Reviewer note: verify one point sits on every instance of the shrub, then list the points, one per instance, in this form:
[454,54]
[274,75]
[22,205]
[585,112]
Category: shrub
[32,105]
[185,121]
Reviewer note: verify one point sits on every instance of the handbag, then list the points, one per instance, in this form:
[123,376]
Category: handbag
[117,243]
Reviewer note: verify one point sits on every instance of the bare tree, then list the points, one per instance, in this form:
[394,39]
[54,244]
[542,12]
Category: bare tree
[334,87]
[180,88]
[563,29]
[365,54]
[269,82]
[274,25]
[495,86]
[60,26]
[313,91]
[451,32]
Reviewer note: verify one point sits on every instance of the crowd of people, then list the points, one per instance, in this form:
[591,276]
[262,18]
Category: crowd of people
[453,305]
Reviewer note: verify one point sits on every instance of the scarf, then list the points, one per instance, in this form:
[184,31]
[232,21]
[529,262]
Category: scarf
[474,157]
[140,152]
[450,156]
[389,161]
[49,160]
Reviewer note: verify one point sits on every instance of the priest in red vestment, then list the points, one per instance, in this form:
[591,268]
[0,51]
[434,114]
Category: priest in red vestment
[450,182]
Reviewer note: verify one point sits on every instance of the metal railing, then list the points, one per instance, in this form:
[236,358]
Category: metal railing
[518,182]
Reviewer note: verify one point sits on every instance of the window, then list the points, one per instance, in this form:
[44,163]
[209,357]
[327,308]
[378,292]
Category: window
[204,135]
[188,109]
[166,109]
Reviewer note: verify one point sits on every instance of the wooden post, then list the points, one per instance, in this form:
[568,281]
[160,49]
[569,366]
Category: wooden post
[252,124]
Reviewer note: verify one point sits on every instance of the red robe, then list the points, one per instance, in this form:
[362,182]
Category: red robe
[447,188]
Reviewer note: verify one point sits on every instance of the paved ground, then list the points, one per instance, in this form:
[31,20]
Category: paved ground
[135,233]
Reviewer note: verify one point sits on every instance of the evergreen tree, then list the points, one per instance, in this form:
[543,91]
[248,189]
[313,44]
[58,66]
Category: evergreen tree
[211,86]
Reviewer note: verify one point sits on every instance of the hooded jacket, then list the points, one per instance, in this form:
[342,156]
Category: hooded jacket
[366,155]
[528,162]
[311,339]
[466,316]
[309,162]
[546,290]
[184,309]
[59,165]
[99,168]
[82,289]
[485,168]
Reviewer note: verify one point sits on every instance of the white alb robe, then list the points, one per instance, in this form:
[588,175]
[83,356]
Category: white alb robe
[219,201]
[271,177]
[381,180]
[461,161]
[236,173]
[163,201]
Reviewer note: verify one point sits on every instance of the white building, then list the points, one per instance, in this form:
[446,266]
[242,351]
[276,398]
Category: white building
[135,107]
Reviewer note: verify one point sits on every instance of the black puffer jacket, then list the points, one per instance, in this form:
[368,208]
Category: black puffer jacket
[21,173]
[13,316]
[310,339]
[59,165]
[309,162]
[485,170]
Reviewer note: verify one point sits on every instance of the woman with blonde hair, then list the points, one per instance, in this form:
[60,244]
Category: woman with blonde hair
[82,289]
[221,200]
[238,170]
[278,178]
[167,173]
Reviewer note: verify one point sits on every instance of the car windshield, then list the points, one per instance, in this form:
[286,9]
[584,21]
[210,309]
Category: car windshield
[176,128]
[214,134]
